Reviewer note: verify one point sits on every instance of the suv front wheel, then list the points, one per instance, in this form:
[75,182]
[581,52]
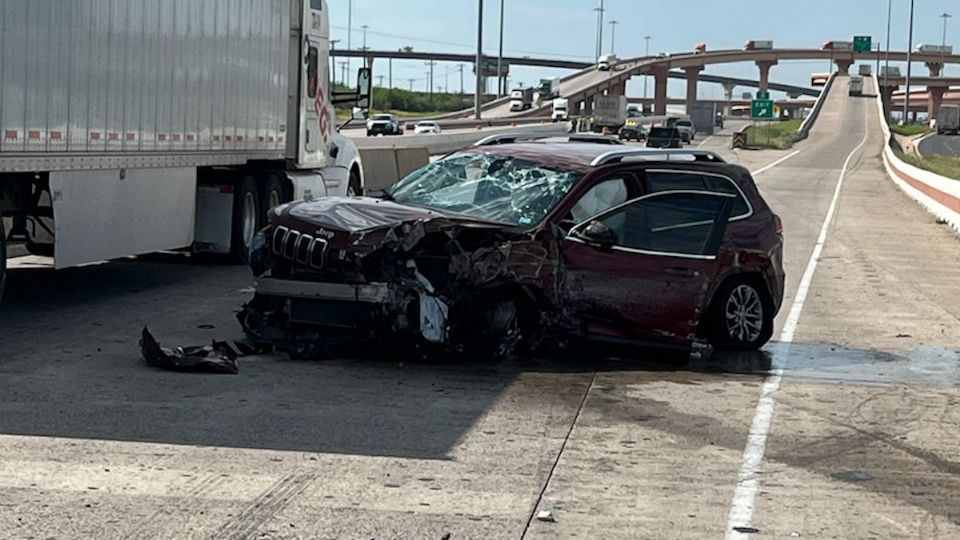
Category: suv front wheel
[741,317]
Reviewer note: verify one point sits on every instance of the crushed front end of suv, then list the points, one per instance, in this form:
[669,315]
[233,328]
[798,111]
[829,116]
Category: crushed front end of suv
[505,248]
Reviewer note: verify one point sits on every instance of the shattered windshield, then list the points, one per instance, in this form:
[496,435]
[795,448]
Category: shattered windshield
[496,188]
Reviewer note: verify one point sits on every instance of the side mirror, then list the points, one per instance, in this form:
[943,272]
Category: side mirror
[597,234]
[363,88]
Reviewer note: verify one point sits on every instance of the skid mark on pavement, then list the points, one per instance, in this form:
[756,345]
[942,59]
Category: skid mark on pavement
[159,519]
[264,507]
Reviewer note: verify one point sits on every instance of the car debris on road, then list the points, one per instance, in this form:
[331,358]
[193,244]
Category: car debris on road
[218,357]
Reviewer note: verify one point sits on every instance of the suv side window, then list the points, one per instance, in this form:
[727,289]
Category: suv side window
[679,223]
[601,197]
[656,181]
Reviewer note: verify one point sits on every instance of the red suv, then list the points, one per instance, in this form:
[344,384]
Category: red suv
[519,242]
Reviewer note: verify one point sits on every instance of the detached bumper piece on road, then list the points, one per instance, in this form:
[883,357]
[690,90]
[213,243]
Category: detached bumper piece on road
[218,357]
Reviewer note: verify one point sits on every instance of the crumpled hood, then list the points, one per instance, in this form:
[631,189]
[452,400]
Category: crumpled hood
[366,222]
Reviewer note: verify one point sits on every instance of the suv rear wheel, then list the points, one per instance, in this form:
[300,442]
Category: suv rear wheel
[741,317]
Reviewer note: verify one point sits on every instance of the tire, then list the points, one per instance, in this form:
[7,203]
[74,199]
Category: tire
[246,219]
[354,189]
[733,328]
[498,335]
[274,194]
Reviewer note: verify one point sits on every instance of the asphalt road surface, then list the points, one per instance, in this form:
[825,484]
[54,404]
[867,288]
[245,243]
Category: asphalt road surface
[846,427]
[942,145]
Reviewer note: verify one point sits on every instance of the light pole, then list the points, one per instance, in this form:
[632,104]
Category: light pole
[500,89]
[613,36]
[645,76]
[886,56]
[349,28]
[333,60]
[477,97]
[599,11]
[430,75]
[365,28]
[943,44]
[906,100]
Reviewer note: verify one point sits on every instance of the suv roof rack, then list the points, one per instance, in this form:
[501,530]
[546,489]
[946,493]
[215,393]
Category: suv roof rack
[509,138]
[653,154]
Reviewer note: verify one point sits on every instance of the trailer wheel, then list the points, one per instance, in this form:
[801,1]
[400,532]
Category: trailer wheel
[246,219]
[3,258]
[274,194]
[354,189]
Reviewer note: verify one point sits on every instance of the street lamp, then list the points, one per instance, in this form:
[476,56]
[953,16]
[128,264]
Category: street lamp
[500,86]
[906,100]
[599,11]
[646,77]
[886,57]
[943,48]
[478,95]
[613,35]
[365,28]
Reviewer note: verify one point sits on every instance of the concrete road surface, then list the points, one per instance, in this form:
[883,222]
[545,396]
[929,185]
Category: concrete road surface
[941,145]
[855,435]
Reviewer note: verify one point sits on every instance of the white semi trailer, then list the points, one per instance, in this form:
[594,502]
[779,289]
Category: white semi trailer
[134,126]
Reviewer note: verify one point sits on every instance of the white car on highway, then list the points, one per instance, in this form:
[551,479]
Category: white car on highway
[426,128]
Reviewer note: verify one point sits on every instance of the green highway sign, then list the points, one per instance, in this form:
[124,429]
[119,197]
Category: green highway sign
[763,94]
[761,109]
[862,44]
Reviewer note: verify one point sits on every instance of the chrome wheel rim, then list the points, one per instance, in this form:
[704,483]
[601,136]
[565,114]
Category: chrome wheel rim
[744,314]
[249,218]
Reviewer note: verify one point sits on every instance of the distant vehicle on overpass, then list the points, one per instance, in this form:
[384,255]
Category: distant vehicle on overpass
[934,49]
[521,99]
[607,62]
[865,70]
[837,46]
[549,88]
[758,45]
[890,71]
[819,79]
[701,48]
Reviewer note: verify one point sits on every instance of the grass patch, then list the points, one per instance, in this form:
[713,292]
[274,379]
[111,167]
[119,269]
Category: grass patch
[909,130]
[779,134]
[942,165]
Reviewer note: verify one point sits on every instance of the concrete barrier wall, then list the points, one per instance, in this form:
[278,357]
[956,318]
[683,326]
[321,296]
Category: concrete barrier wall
[808,122]
[382,167]
[938,194]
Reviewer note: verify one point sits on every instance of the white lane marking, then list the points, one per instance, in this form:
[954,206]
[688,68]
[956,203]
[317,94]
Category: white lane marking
[703,142]
[775,163]
[744,497]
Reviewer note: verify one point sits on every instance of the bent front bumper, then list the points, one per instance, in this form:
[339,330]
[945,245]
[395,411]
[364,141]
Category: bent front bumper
[371,306]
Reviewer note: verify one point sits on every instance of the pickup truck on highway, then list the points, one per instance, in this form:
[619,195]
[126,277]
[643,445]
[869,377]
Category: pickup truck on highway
[383,124]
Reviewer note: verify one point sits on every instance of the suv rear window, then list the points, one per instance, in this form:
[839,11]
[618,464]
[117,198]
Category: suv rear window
[663,133]
[656,181]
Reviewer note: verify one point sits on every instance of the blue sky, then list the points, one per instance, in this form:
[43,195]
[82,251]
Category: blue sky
[567,29]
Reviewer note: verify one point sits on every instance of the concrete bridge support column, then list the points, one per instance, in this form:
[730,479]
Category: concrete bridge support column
[660,90]
[728,89]
[588,106]
[936,68]
[693,75]
[934,102]
[764,66]
[843,65]
[886,97]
